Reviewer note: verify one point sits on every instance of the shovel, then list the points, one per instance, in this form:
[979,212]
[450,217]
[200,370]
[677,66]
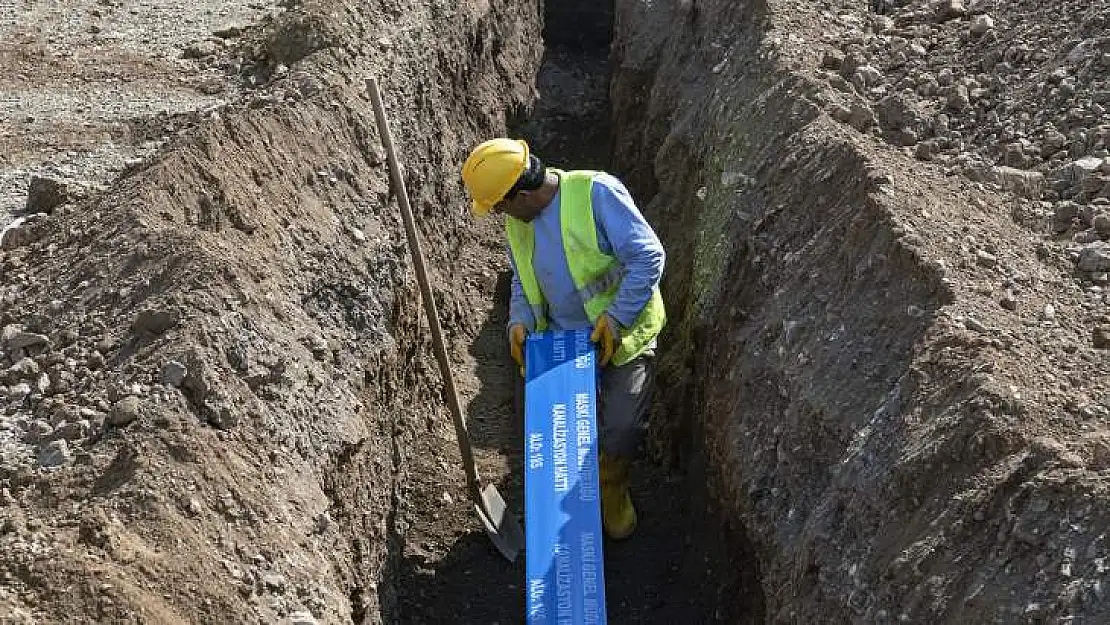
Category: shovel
[502,528]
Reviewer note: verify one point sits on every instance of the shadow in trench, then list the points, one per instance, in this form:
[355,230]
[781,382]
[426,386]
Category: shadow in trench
[570,126]
[682,565]
[472,582]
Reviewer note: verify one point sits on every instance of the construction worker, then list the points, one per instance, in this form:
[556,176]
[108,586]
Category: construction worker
[583,257]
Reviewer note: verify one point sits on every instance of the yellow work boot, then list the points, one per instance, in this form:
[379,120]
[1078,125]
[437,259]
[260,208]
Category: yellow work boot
[617,514]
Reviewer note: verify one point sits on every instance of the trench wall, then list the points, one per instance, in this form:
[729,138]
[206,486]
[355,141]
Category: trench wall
[846,424]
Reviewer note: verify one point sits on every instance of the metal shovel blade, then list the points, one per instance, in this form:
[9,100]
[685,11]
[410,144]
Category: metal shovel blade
[503,529]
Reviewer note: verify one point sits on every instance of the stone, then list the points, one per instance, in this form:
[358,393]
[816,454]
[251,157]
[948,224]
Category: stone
[986,259]
[25,369]
[37,430]
[927,150]
[894,112]
[319,347]
[212,86]
[882,23]
[62,382]
[19,391]
[24,340]
[959,99]
[1064,215]
[10,331]
[1101,223]
[840,113]
[200,49]
[230,32]
[1095,257]
[736,178]
[45,194]
[219,414]
[853,59]
[1020,182]
[1054,141]
[832,59]
[238,356]
[973,324]
[1101,337]
[862,118]
[155,321]
[275,583]
[54,454]
[866,76]
[74,431]
[1076,172]
[950,9]
[302,618]
[174,373]
[1094,183]
[1086,236]
[124,411]
[1013,155]
[980,24]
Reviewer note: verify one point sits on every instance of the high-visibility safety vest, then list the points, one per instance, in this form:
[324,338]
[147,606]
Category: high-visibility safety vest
[597,276]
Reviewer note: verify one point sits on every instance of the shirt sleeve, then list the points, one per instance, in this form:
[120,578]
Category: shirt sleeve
[519,310]
[624,233]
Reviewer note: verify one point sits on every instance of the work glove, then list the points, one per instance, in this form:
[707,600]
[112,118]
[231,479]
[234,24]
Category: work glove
[517,334]
[607,336]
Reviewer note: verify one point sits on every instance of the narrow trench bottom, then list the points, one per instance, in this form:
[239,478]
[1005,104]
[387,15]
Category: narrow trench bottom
[682,565]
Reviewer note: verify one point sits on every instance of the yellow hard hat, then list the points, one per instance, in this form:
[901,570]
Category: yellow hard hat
[491,170]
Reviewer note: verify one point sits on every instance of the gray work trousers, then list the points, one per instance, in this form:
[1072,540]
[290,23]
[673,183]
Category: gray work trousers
[624,396]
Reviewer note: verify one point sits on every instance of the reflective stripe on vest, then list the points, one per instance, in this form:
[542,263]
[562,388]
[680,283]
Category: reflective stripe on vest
[597,276]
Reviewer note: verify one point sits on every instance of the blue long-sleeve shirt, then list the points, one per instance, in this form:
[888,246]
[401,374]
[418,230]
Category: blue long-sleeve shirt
[622,232]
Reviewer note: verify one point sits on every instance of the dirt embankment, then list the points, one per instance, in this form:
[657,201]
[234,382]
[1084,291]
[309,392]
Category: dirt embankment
[91,87]
[898,369]
[217,385]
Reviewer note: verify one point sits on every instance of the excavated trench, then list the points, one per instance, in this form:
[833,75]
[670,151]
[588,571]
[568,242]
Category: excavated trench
[685,563]
[222,404]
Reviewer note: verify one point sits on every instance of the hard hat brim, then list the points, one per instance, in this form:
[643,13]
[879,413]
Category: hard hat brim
[480,209]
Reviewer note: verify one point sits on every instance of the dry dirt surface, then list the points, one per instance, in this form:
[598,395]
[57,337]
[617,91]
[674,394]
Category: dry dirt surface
[885,394]
[218,390]
[92,87]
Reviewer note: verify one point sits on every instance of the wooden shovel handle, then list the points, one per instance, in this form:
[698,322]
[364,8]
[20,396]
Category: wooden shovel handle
[472,480]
